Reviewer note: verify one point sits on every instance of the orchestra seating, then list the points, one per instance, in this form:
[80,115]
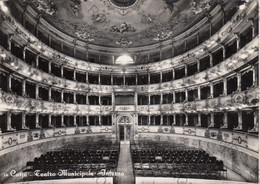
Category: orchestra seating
[75,161]
[164,160]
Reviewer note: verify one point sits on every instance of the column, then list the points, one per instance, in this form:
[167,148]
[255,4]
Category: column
[256,124]
[224,15]
[186,95]
[253,28]
[173,97]
[149,119]
[256,121]
[37,91]
[161,77]
[211,90]
[23,88]
[135,99]
[225,86]
[74,98]
[87,120]
[74,74]
[10,37]
[113,60]
[9,126]
[87,77]
[210,60]
[37,61]
[75,120]
[161,120]
[211,122]
[113,99]
[112,82]
[149,99]
[49,122]
[255,82]
[186,120]
[24,127]
[238,82]
[99,99]
[37,125]
[173,74]
[225,123]
[224,51]
[240,123]
[149,80]
[186,70]
[62,120]
[49,91]
[99,120]
[61,71]
[99,79]
[160,55]
[199,120]
[49,71]
[238,41]
[124,79]
[87,99]
[174,120]
[24,53]
[199,93]
[62,95]
[9,83]
[161,98]
[136,80]
[198,65]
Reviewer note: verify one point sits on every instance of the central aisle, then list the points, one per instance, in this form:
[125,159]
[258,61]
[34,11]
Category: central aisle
[125,165]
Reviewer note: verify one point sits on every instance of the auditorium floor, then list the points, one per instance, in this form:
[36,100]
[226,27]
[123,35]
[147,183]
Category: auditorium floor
[125,165]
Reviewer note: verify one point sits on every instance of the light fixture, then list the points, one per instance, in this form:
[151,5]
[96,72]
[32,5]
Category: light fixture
[242,7]
[124,60]
[3,55]
[3,6]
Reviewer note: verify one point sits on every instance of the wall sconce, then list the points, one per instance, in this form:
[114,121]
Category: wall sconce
[3,7]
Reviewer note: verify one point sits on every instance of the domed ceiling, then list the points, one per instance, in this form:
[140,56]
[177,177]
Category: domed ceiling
[122,23]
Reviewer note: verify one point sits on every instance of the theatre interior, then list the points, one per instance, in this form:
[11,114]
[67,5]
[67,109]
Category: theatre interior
[129,91]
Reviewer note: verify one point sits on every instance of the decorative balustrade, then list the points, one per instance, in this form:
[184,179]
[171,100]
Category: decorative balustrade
[236,101]
[16,138]
[13,102]
[233,139]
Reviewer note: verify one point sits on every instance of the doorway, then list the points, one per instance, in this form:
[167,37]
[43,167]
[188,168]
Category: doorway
[124,133]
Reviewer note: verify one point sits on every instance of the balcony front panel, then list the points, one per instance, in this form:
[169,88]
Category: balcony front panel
[226,67]
[241,141]
[18,103]
[16,138]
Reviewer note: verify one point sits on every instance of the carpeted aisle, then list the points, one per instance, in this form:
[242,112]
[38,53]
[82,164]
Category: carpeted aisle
[125,165]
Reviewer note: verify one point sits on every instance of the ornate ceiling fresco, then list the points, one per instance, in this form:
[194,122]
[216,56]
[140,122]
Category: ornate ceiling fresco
[122,23]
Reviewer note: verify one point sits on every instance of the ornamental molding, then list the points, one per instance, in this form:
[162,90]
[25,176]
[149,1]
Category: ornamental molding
[221,34]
